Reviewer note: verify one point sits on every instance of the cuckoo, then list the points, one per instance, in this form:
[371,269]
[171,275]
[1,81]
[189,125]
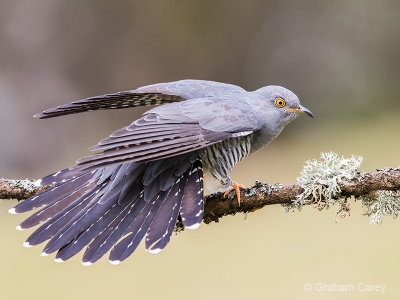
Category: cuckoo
[147,175]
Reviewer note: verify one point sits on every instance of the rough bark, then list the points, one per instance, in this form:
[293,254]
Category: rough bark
[252,199]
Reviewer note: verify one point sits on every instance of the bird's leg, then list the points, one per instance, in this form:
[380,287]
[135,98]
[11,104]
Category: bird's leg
[235,186]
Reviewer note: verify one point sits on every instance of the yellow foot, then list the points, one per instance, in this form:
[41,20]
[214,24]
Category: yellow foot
[235,186]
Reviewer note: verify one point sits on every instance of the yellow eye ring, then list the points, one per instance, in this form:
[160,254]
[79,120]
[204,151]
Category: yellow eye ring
[280,102]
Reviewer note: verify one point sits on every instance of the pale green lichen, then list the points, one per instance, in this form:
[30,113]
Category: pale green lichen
[321,180]
[380,204]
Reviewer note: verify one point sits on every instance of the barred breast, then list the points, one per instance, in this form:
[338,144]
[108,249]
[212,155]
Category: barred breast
[219,160]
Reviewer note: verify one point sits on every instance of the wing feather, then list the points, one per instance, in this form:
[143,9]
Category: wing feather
[181,130]
[110,101]
[155,94]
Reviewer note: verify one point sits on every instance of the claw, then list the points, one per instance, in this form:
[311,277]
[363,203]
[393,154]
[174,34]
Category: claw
[235,186]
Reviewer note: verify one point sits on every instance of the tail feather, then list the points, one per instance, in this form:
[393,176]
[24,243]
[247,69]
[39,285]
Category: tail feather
[137,229]
[115,207]
[114,230]
[103,223]
[64,175]
[75,187]
[55,224]
[192,206]
[85,237]
[51,210]
[80,222]
[162,174]
[159,233]
[82,228]
[121,181]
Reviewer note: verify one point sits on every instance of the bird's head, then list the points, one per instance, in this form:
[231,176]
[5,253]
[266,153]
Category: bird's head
[280,104]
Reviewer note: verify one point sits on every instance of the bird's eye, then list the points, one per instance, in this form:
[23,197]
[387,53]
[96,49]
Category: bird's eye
[280,102]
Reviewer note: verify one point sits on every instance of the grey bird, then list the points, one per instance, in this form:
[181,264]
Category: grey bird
[150,173]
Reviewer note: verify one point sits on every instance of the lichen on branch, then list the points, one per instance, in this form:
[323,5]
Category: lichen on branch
[322,182]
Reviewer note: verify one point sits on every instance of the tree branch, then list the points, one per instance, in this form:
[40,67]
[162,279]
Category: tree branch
[252,199]
[19,189]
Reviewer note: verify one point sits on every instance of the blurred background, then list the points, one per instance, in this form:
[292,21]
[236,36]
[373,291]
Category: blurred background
[342,58]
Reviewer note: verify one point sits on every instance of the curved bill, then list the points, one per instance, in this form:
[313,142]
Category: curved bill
[306,111]
[302,110]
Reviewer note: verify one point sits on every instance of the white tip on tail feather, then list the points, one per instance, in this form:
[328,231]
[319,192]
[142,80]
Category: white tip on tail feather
[12,211]
[155,251]
[194,226]
[27,245]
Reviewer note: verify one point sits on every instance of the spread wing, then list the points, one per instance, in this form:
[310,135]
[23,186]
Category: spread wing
[117,206]
[156,94]
[175,129]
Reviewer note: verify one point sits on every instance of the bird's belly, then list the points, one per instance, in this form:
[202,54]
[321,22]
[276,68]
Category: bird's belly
[212,185]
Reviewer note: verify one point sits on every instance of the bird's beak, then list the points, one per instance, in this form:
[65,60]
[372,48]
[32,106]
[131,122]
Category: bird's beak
[302,110]
[306,111]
